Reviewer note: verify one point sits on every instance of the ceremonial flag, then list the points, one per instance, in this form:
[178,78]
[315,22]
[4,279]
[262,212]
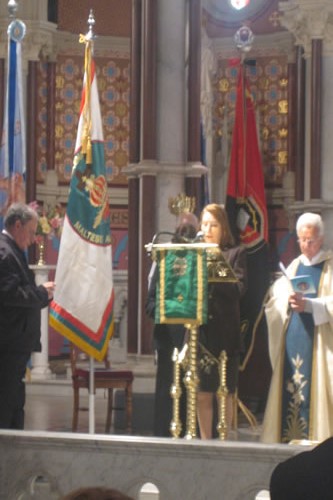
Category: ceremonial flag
[13,148]
[82,309]
[247,211]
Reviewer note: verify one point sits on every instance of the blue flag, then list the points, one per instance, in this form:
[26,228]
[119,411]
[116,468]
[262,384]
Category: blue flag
[13,149]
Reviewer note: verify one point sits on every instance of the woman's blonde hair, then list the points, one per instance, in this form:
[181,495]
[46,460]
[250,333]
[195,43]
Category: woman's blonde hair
[220,214]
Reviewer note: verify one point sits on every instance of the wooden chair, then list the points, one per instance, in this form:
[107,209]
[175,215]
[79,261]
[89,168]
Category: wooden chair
[105,378]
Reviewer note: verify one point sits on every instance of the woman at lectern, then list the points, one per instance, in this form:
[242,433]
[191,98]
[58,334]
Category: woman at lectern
[222,331]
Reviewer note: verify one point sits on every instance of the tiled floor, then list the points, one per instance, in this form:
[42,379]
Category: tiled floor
[49,408]
[53,412]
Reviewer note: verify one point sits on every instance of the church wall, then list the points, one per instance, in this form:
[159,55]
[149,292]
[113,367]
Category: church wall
[112,17]
[273,50]
[60,50]
[269,86]
[327,126]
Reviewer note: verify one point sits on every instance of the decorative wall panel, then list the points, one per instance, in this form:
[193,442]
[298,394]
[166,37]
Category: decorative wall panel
[113,84]
[269,87]
[41,123]
[119,234]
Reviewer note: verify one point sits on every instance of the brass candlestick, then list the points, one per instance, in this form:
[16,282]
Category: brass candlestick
[176,392]
[191,383]
[41,252]
[222,394]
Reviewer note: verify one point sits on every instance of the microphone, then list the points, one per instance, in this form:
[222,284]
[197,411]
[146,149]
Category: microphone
[149,246]
[177,238]
[161,233]
[199,236]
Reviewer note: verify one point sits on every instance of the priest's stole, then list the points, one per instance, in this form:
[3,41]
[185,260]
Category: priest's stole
[181,291]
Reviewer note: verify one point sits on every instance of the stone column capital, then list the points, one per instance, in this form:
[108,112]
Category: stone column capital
[308,20]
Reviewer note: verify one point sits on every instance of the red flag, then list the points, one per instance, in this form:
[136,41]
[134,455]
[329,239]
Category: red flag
[246,202]
[247,212]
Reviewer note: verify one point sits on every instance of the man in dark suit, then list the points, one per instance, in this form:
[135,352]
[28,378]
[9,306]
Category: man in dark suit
[306,476]
[20,304]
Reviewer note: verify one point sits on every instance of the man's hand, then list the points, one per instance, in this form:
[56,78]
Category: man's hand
[297,302]
[50,286]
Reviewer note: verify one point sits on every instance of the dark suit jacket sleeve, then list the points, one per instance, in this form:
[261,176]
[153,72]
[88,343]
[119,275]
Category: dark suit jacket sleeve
[17,285]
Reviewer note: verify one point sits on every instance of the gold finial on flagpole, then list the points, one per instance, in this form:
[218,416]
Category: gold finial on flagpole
[16,29]
[12,8]
[88,39]
[91,23]
[244,40]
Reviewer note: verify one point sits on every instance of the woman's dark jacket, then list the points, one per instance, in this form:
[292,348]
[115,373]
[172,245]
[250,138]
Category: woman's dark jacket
[222,331]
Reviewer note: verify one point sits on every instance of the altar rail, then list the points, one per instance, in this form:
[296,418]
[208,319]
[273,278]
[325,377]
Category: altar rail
[180,469]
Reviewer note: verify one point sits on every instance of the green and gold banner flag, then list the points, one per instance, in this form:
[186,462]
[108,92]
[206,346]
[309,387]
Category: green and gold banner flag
[181,292]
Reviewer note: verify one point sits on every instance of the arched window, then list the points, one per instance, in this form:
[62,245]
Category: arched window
[52,11]
[239,4]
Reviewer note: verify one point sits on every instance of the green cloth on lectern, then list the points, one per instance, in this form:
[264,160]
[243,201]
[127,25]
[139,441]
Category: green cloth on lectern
[181,292]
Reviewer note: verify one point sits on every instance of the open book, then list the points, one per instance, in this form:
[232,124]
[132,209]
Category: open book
[299,284]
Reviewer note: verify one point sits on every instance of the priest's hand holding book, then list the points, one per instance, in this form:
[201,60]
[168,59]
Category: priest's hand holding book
[300,286]
[297,302]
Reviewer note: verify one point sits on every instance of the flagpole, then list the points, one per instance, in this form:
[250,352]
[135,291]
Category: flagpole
[89,44]
[12,147]
[91,396]
[85,252]
[242,69]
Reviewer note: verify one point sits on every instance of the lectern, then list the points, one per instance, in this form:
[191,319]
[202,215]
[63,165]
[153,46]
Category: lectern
[182,298]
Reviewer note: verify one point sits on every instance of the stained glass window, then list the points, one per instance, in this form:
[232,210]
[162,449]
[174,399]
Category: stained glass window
[239,4]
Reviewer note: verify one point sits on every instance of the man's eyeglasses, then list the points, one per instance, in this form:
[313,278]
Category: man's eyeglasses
[307,240]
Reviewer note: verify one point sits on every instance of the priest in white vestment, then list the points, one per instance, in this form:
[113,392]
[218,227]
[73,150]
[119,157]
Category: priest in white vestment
[300,326]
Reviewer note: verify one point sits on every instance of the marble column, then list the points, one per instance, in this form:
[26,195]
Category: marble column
[51,134]
[193,182]
[316,119]
[299,135]
[40,360]
[142,171]
[194,80]
[149,43]
[327,146]
[2,93]
[133,264]
[311,23]
[31,130]
[159,155]
[133,180]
